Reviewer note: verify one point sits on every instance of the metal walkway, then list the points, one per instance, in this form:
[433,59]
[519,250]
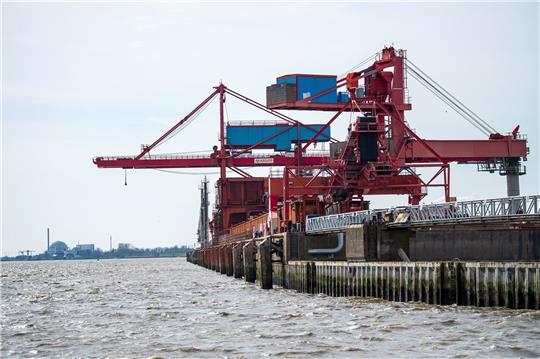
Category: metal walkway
[496,209]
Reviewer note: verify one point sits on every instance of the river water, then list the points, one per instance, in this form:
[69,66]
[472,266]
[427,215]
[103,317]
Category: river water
[171,308]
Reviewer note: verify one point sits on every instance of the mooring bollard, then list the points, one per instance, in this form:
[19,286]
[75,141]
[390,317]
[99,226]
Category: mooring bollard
[248,252]
[238,264]
[264,252]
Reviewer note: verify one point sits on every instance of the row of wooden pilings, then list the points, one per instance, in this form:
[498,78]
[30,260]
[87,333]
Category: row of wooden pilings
[249,260]
[484,284]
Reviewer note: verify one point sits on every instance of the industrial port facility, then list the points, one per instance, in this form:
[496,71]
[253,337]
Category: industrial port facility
[308,226]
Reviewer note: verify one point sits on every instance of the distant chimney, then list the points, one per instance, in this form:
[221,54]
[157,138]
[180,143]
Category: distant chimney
[48,243]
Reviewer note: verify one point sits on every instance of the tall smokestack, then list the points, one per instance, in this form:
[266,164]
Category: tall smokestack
[110,243]
[48,240]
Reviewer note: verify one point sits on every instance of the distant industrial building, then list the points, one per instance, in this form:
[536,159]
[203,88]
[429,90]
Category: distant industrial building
[125,246]
[58,247]
[84,247]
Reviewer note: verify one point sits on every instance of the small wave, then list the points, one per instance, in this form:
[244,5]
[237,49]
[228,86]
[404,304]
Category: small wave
[285,335]
[392,327]
[449,322]
[290,315]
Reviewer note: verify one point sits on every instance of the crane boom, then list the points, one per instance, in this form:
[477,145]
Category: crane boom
[463,151]
[205,161]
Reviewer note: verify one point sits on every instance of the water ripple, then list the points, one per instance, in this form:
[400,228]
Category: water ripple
[153,308]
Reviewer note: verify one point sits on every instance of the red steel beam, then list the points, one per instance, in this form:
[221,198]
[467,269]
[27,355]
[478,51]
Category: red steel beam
[315,106]
[466,150]
[416,152]
[147,149]
[204,162]
[403,184]
[316,136]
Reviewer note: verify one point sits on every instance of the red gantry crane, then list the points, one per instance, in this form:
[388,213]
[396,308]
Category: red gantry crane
[380,155]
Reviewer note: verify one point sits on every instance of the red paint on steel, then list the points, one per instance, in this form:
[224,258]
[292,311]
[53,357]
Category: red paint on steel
[346,177]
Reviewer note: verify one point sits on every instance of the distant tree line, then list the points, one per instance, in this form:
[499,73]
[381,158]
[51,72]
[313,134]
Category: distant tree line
[175,251]
[147,252]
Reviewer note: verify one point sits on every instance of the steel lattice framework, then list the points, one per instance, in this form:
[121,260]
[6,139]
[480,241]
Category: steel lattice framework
[346,176]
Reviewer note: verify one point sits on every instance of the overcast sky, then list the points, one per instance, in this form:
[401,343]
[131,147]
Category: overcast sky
[81,80]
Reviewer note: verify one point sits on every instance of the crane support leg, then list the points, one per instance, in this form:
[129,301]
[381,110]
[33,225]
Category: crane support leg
[512,184]
[512,169]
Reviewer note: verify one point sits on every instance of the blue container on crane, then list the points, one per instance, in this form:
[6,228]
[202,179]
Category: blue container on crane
[284,135]
[307,85]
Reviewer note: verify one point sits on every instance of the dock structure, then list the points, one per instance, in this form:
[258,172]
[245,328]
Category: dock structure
[476,253]
[484,284]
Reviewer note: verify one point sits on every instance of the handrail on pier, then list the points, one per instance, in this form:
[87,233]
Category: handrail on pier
[463,211]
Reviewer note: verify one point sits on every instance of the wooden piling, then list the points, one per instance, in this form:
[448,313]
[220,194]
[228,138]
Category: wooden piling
[228,260]
[237,261]
[222,260]
[248,255]
[215,259]
[264,264]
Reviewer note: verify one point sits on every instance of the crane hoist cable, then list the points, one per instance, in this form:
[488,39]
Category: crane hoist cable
[455,107]
[451,105]
[372,57]
[471,112]
[186,173]
[185,153]
[226,111]
[196,173]
[449,99]
[184,125]
[356,105]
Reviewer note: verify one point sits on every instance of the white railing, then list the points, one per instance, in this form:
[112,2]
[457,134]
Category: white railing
[488,208]
[466,211]
[173,156]
[334,222]
[258,123]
